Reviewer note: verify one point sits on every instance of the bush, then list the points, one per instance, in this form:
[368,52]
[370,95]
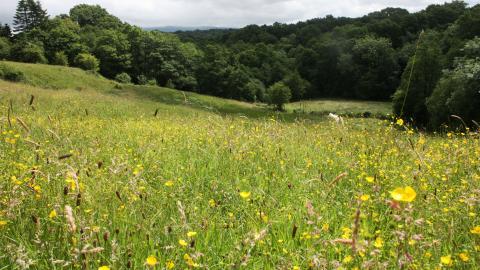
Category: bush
[123,78]
[279,94]
[60,59]
[142,80]
[87,62]
[4,48]
[29,53]
[10,74]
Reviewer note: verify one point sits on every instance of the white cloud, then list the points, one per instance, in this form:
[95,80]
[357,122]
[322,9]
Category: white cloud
[223,12]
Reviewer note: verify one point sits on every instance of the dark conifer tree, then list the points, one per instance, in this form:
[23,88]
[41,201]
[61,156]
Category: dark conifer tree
[29,15]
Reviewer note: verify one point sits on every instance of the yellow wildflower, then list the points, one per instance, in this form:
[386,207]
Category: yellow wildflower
[464,256]
[182,243]
[378,242]
[446,260]
[170,265]
[347,259]
[475,230]
[189,261]
[151,261]
[169,184]
[191,234]
[365,197]
[53,214]
[370,179]
[245,194]
[400,122]
[406,194]
[104,268]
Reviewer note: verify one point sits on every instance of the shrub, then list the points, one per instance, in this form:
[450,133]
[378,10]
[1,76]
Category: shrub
[29,52]
[123,78]
[11,74]
[142,80]
[152,82]
[87,62]
[60,59]
[4,48]
[278,94]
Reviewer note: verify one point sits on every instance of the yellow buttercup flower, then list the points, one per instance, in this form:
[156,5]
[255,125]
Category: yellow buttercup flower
[151,261]
[446,260]
[365,197]
[406,194]
[169,184]
[104,268]
[52,214]
[182,243]
[400,122]
[464,256]
[245,194]
[192,234]
[378,242]
[370,179]
[170,265]
[475,230]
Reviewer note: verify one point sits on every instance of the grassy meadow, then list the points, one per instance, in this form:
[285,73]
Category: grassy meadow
[90,178]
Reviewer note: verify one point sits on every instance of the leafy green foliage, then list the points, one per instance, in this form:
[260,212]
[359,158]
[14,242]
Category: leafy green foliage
[87,62]
[374,59]
[5,48]
[123,78]
[457,92]
[418,80]
[278,94]
[60,59]
[29,52]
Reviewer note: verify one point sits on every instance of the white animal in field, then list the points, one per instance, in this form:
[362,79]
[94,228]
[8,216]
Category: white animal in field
[336,118]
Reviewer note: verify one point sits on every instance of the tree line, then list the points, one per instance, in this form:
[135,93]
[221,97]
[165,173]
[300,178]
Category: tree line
[427,60]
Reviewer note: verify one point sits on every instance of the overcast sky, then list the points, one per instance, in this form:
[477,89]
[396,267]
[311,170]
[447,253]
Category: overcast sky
[224,13]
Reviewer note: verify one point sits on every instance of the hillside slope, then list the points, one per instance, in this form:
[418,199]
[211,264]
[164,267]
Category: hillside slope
[61,78]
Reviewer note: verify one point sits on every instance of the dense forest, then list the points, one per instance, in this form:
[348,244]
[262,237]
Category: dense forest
[427,61]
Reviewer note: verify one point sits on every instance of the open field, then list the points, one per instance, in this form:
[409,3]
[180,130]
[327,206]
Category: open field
[90,178]
[343,107]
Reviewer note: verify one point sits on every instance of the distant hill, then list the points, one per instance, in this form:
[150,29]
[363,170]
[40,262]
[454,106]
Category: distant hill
[171,29]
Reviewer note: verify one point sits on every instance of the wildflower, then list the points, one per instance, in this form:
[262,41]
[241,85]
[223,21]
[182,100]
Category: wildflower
[191,234]
[446,260]
[2,223]
[182,243]
[189,261]
[52,214]
[370,179]
[365,197]
[406,194]
[347,259]
[245,194]
[400,122]
[296,268]
[170,265]
[104,268]
[212,203]
[169,183]
[151,261]
[378,242]
[475,230]
[464,256]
